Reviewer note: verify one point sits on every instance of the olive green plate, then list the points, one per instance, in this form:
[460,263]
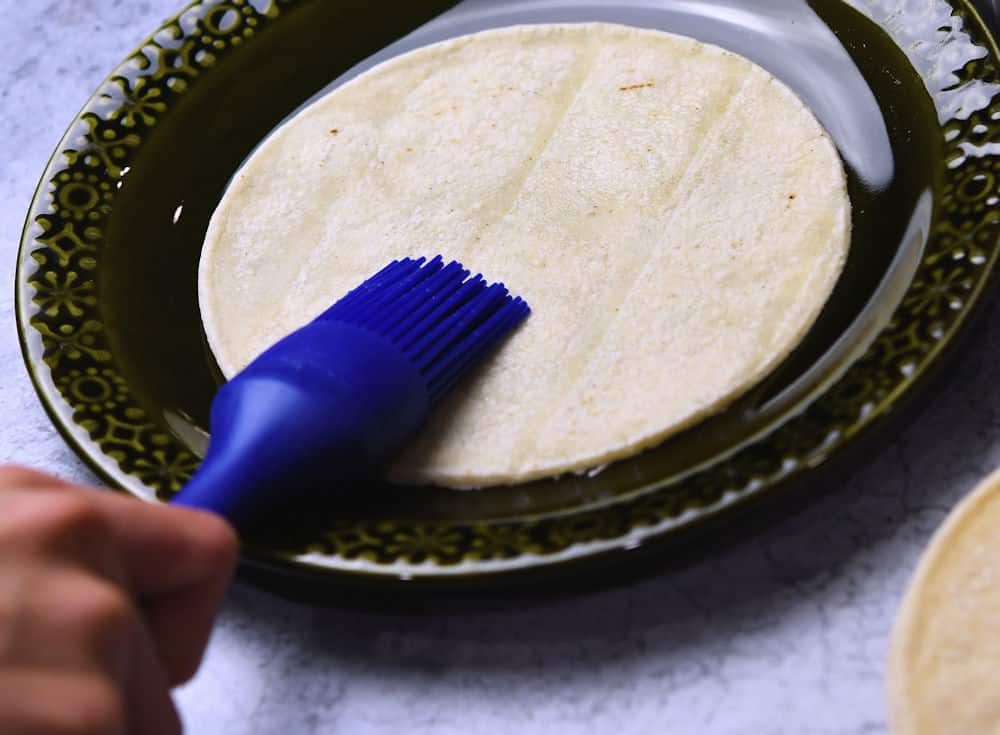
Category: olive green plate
[111,334]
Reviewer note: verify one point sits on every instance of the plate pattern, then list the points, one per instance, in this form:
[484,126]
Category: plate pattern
[70,214]
[72,362]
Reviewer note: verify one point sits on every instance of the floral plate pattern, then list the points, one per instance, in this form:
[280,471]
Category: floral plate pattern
[71,347]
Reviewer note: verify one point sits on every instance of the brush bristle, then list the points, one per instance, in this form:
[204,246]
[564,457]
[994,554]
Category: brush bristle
[444,320]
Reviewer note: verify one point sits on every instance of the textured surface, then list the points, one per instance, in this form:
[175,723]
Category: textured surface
[785,635]
[650,196]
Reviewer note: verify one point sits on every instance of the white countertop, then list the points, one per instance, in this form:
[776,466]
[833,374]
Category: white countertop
[784,634]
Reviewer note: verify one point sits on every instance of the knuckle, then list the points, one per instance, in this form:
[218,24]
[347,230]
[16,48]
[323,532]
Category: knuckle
[99,709]
[50,522]
[59,517]
[103,614]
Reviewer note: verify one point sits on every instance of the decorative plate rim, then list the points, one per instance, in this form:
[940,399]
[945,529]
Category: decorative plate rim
[432,550]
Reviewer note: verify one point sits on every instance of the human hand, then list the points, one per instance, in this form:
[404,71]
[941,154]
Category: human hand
[106,603]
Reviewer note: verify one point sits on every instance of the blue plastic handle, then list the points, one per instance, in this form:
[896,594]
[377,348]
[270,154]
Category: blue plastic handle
[328,405]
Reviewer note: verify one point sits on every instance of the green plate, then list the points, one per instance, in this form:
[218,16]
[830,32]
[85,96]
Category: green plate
[111,334]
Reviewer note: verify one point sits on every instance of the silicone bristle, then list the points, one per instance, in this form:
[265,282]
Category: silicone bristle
[460,357]
[423,302]
[372,289]
[442,319]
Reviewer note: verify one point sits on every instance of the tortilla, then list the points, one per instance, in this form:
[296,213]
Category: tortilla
[675,216]
[944,667]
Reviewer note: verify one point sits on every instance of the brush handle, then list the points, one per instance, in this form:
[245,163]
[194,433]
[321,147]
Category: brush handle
[332,402]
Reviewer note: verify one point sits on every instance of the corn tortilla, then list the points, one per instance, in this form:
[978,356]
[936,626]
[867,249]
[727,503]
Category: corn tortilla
[675,216]
[944,668]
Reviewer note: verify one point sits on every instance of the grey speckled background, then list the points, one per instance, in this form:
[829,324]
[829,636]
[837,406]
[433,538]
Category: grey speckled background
[785,634]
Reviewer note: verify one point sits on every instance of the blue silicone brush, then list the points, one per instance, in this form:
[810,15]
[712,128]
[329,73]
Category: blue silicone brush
[332,403]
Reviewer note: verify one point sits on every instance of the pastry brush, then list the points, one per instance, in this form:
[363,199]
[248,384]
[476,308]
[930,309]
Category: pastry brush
[332,403]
